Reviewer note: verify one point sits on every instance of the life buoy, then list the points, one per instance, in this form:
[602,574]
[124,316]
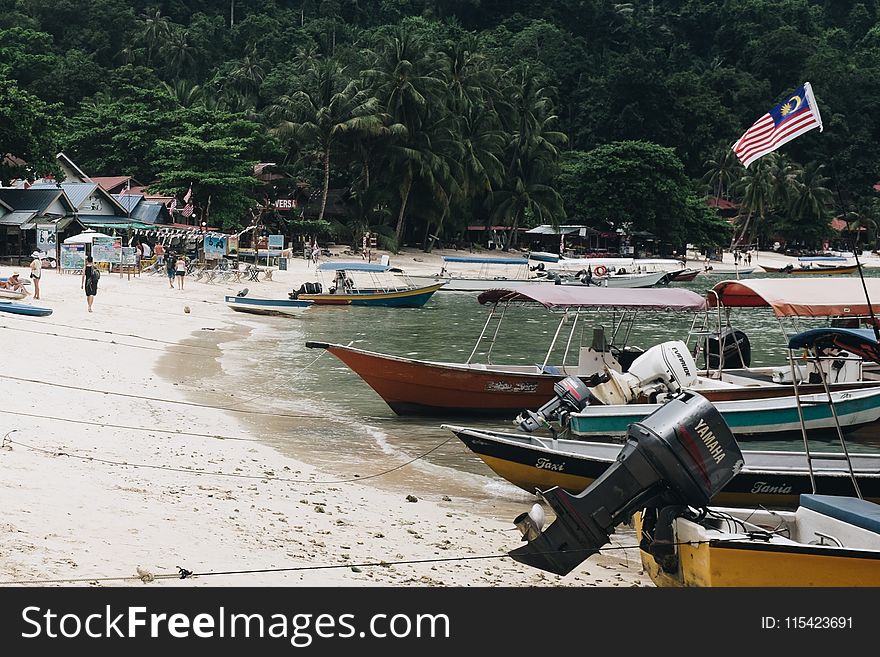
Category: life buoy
[600,270]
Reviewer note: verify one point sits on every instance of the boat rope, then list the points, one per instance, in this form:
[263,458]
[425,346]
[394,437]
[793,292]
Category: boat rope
[126,426]
[236,475]
[187,574]
[172,343]
[156,399]
[114,342]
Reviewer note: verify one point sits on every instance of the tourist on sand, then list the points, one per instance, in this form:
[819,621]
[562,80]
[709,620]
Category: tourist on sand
[180,266]
[749,258]
[159,250]
[89,281]
[15,284]
[36,271]
[171,269]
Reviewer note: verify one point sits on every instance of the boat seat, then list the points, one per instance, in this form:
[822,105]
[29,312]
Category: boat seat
[851,510]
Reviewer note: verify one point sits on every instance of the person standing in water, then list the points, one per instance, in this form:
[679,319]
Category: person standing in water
[89,283]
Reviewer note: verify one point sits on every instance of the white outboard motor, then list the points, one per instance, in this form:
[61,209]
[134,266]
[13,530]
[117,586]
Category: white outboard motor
[661,372]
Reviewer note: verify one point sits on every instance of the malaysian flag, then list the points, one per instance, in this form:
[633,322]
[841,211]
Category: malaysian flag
[794,116]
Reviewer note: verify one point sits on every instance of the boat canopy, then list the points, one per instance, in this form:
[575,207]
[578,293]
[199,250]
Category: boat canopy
[862,342]
[486,261]
[352,266]
[798,297]
[584,296]
[823,259]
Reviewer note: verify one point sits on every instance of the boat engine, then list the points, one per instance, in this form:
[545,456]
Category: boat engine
[572,395]
[682,454]
[733,346]
[662,371]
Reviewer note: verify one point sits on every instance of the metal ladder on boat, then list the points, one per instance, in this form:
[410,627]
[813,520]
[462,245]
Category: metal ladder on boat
[844,456]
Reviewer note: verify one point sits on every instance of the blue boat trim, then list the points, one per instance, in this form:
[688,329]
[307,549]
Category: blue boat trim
[353,266]
[24,309]
[486,261]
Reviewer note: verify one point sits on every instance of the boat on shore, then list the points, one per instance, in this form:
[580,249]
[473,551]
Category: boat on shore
[24,309]
[274,307]
[774,479]
[491,273]
[365,284]
[14,295]
[421,387]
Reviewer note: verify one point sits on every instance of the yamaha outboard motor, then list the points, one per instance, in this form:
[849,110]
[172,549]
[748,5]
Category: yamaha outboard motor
[572,395]
[683,453]
[730,349]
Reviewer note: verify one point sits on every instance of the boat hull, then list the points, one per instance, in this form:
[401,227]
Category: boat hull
[767,418]
[416,387]
[413,298]
[12,294]
[419,387]
[741,563]
[535,467]
[273,307]
[24,309]
[811,271]
[464,284]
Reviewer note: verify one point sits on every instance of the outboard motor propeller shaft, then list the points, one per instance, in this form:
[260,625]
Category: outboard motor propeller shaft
[572,395]
[683,453]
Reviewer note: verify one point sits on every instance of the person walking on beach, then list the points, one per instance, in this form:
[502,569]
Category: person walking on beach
[89,281]
[749,258]
[171,269]
[36,271]
[159,250]
[180,266]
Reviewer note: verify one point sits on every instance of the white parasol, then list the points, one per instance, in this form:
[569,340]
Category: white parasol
[84,237]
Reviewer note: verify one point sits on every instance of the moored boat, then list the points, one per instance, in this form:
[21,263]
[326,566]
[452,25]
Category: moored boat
[366,284]
[413,386]
[771,478]
[811,269]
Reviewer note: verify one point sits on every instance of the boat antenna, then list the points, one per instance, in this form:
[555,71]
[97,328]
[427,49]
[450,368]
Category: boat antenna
[855,242]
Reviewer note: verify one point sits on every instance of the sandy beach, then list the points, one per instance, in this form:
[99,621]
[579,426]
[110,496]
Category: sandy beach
[126,457]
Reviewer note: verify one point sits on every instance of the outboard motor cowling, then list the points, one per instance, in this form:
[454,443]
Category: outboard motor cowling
[572,395]
[729,349]
[683,453]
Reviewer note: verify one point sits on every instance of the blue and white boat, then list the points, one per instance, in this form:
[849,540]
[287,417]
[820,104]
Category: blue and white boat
[255,306]
[24,309]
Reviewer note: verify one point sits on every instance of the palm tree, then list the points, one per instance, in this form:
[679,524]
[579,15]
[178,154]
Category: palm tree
[531,156]
[179,52]
[406,77]
[329,108]
[156,30]
[722,171]
[756,189]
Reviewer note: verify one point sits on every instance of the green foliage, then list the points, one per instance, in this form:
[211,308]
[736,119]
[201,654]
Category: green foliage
[28,132]
[427,119]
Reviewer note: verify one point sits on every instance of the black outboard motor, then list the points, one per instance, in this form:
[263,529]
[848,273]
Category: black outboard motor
[730,349]
[572,395]
[683,453]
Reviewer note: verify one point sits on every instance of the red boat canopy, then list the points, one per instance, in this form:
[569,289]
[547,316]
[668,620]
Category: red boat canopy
[582,296]
[799,297]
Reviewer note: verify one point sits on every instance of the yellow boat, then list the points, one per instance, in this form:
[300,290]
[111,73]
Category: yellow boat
[829,541]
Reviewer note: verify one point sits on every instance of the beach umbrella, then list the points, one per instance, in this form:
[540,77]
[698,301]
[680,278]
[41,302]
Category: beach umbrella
[84,237]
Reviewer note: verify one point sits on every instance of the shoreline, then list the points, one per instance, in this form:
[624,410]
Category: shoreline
[71,517]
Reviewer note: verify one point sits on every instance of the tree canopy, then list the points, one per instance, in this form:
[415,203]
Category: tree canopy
[430,115]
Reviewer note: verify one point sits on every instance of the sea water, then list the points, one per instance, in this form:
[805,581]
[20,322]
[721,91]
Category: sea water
[352,435]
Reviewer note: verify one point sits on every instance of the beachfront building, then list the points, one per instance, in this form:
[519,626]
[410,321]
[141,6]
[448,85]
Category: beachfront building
[34,219]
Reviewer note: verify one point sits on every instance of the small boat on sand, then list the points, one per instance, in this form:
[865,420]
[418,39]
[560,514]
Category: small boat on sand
[24,309]
[15,295]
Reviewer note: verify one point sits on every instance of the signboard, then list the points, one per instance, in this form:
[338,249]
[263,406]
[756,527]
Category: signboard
[129,255]
[47,238]
[276,241]
[285,204]
[73,256]
[215,247]
[232,245]
[107,249]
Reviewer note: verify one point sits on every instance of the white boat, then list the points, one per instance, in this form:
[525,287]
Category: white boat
[12,294]
[491,273]
[255,306]
[650,279]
